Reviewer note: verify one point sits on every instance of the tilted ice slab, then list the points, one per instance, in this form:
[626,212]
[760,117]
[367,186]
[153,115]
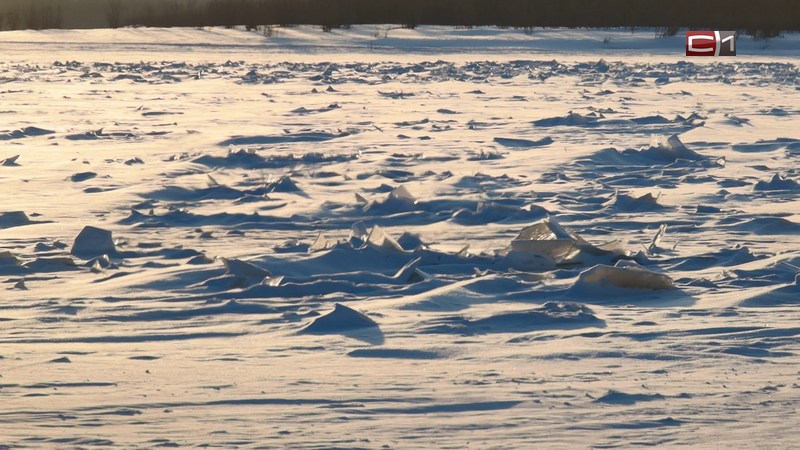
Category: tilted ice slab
[15,219]
[93,241]
[547,243]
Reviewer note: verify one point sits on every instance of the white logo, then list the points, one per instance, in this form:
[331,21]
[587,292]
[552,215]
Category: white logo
[692,48]
[732,39]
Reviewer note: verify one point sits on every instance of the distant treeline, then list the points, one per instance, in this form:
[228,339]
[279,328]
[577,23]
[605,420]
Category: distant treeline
[762,16]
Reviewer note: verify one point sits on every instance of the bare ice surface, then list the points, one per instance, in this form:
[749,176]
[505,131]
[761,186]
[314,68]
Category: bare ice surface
[463,238]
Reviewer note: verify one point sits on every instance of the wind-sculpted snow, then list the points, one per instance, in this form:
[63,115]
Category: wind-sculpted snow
[525,253]
[616,73]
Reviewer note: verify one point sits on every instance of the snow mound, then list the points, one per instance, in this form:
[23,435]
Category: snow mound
[24,132]
[777,183]
[339,320]
[627,276]
[244,269]
[788,294]
[283,184]
[398,200]
[571,119]
[304,136]
[629,203]
[660,151]
[241,274]
[671,149]
[486,212]
[551,315]
[622,398]
[523,143]
[767,226]
[394,353]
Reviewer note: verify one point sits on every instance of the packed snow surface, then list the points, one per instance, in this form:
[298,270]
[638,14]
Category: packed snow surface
[383,238]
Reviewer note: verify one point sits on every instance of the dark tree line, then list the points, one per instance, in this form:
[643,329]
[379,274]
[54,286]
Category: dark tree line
[764,16]
[719,14]
[32,16]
